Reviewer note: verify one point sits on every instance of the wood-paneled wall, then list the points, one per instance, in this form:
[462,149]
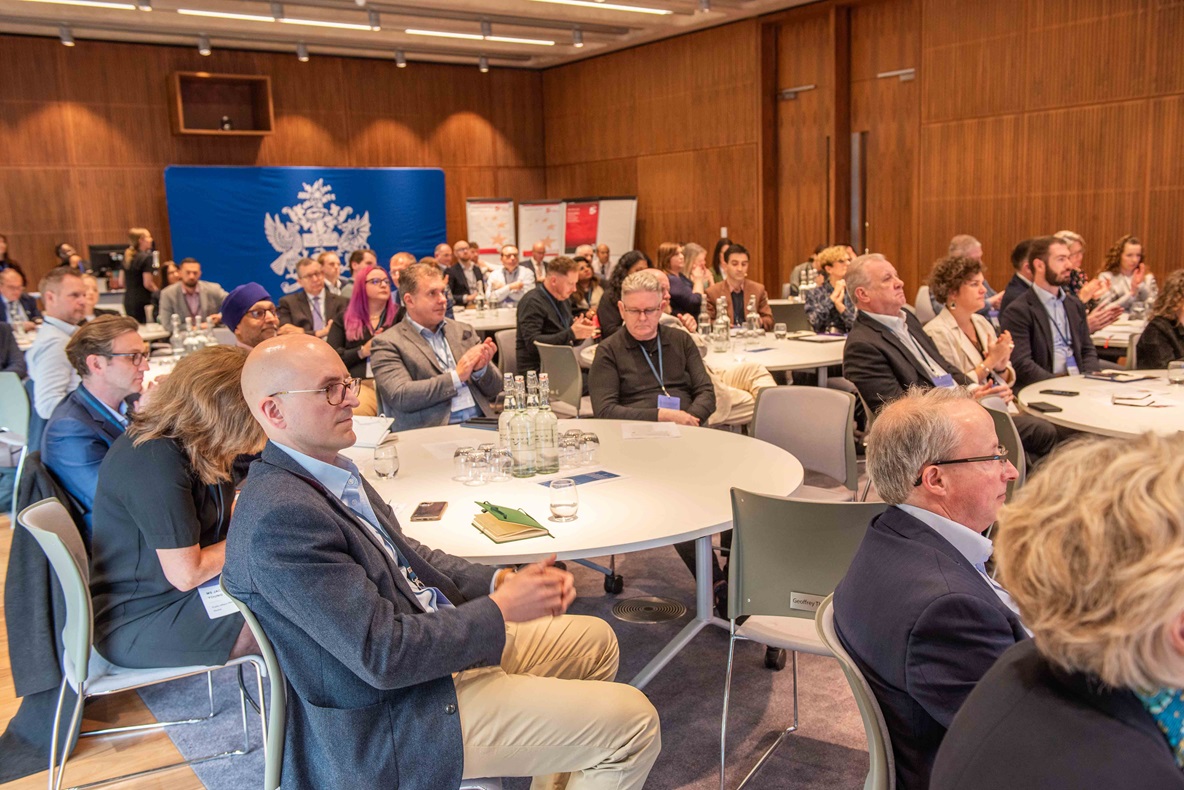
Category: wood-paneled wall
[85,133]
[675,123]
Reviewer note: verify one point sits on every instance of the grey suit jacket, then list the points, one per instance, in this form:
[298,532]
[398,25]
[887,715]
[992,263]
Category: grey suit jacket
[371,701]
[413,387]
[295,309]
[172,301]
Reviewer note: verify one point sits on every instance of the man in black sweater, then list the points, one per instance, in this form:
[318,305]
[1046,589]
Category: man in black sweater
[544,314]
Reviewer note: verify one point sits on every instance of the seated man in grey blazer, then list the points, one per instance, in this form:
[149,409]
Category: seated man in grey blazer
[192,297]
[429,370]
[312,308]
[408,667]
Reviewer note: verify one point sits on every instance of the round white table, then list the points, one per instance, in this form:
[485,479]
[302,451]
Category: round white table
[1118,334]
[1094,409]
[148,332]
[670,490]
[492,321]
[784,355]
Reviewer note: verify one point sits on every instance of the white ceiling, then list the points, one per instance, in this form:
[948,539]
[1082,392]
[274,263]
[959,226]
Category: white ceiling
[602,27]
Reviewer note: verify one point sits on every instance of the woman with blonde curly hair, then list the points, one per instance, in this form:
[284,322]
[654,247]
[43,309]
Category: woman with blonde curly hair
[1162,340]
[162,510]
[1093,562]
[1125,272]
[829,306]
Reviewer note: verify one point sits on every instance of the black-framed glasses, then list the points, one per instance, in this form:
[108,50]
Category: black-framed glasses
[259,312]
[1000,456]
[137,357]
[378,281]
[647,313]
[334,393]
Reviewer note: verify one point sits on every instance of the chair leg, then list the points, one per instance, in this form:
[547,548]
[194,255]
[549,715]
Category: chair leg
[262,709]
[57,726]
[75,725]
[723,729]
[16,485]
[792,728]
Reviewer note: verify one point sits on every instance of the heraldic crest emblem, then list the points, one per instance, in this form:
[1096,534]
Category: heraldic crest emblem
[313,226]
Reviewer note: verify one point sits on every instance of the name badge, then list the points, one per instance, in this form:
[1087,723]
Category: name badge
[215,601]
[669,402]
[945,381]
[463,399]
[1071,366]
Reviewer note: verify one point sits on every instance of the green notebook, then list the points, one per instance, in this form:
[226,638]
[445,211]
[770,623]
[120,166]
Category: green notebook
[504,524]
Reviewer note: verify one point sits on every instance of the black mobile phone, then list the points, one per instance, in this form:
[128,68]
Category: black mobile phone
[1039,406]
[429,511]
[1062,393]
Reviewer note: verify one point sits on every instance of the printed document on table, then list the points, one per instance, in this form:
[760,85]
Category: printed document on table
[650,430]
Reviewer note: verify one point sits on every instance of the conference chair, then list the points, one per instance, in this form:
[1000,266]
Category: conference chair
[1132,352]
[793,315]
[15,409]
[87,672]
[507,350]
[562,366]
[881,774]
[1009,437]
[787,557]
[816,426]
[924,306]
[786,290]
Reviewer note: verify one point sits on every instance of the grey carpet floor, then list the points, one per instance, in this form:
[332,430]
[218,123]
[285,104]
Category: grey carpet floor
[828,752]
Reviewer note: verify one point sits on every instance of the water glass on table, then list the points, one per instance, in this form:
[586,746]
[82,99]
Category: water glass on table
[1176,372]
[462,459]
[589,447]
[386,459]
[780,331]
[570,453]
[565,500]
[500,462]
[479,473]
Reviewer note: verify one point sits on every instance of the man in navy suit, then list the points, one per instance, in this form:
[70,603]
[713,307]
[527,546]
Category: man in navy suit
[109,355]
[16,306]
[917,611]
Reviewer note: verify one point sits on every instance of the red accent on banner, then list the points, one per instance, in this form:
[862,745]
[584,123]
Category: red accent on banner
[582,221]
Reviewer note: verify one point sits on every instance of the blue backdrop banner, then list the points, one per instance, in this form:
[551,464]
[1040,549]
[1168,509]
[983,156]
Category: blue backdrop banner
[253,223]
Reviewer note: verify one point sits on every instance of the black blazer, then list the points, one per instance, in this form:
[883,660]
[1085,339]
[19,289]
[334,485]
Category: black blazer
[1162,342]
[458,283]
[1016,288]
[882,368]
[1030,328]
[348,349]
[924,626]
[1031,726]
[294,309]
[11,357]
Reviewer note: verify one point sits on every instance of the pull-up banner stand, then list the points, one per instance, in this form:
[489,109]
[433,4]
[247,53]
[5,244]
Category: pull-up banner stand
[490,224]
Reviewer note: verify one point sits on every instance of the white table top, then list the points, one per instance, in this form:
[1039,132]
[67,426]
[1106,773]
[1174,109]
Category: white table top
[149,332]
[492,321]
[1093,412]
[783,355]
[1118,334]
[672,489]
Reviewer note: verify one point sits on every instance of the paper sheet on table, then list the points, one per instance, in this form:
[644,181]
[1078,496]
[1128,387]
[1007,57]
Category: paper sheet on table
[371,430]
[650,430]
[586,478]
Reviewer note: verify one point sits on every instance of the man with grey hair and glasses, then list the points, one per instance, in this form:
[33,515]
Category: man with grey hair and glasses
[917,610]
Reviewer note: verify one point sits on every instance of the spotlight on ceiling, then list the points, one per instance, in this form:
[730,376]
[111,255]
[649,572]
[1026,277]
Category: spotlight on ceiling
[66,36]
[144,5]
[302,52]
[483,64]
[577,37]
[400,59]
[486,29]
[704,6]
[277,11]
[375,24]
[203,45]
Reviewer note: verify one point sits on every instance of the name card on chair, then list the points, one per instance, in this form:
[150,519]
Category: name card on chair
[805,602]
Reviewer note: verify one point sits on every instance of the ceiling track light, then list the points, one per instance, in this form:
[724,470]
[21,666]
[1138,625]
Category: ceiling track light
[483,64]
[375,23]
[66,36]
[144,5]
[486,28]
[302,52]
[637,9]
[203,45]
[277,11]
[225,15]
[511,40]
[704,6]
[400,59]
[577,37]
[90,4]
[442,34]
[323,23]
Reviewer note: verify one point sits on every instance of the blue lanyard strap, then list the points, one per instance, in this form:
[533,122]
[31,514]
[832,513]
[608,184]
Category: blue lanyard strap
[660,372]
[555,304]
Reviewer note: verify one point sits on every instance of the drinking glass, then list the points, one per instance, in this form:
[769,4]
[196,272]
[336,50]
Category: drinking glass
[1176,372]
[565,501]
[574,433]
[738,344]
[570,453]
[461,463]
[499,465]
[478,470]
[780,331]
[386,459]
[589,447]
[486,450]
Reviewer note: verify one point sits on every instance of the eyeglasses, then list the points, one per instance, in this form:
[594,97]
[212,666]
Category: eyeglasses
[1000,456]
[312,276]
[334,393]
[137,357]
[260,312]
[648,313]
[378,281]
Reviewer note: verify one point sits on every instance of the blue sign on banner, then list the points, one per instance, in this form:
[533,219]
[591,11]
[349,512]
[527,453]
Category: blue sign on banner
[254,223]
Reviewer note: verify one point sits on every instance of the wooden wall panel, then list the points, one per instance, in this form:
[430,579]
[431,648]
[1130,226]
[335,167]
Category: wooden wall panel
[1167,26]
[87,133]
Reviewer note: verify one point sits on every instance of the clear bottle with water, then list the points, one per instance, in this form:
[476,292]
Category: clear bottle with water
[704,320]
[752,319]
[503,420]
[546,430]
[522,443]
[177,339]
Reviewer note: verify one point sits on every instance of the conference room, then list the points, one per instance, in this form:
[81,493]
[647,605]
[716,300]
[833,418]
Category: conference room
[647,393]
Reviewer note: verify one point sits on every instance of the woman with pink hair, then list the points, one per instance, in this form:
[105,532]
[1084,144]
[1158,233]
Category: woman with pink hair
[370,310]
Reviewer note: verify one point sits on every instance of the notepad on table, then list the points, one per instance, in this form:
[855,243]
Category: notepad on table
[500,531]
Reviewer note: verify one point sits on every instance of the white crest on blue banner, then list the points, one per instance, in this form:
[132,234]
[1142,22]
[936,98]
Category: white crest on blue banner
[313,226]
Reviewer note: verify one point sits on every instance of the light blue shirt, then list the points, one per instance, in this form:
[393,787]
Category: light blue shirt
[1058,321]
[443,354]
[53,376]
[343,473]
[976,548]
[119,415]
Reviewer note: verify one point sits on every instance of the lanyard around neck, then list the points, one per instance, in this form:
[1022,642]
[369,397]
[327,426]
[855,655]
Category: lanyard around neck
[660,371]
[555,304]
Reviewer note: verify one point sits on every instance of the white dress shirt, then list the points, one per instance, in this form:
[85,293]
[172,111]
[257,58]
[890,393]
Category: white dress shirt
[499,285]
[899,327]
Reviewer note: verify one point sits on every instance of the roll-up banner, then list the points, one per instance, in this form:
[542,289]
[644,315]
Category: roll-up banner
[490,224]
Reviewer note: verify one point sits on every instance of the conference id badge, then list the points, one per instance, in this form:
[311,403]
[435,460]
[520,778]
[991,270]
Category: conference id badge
[214,600]
[669,402]
[1071,366]
[945,381]
[463,399]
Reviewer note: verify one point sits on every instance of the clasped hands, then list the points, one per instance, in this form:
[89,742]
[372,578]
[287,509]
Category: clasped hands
[475,358]
[536,590]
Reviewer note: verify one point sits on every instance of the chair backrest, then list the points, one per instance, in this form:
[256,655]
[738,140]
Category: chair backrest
[788,554]
[881,773]
[924,307]
[814,425]
[1132,352]
[50,524]
[786,290]
[277,710]
[1009,437]
[507,350]
[36,421]
[14,404]
[793,315]
[562,366]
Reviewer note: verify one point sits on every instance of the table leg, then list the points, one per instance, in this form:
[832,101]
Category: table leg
[704,616]
[822,376]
